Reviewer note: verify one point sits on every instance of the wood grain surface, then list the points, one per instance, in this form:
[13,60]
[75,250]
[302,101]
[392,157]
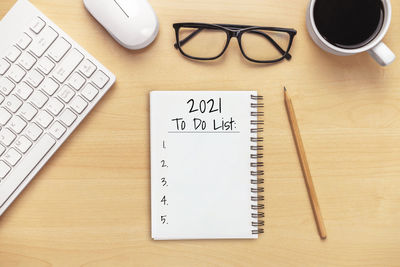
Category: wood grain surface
[90,205]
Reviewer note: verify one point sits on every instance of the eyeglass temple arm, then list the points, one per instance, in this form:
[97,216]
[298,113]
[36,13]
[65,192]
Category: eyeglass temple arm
[190,36]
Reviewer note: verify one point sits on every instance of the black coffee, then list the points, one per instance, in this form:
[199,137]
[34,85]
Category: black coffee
[349,24]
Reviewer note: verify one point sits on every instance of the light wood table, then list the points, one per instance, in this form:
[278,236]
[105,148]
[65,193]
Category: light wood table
[90,205]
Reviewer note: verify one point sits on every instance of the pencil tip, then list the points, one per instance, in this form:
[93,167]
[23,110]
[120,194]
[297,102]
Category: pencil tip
[285,88]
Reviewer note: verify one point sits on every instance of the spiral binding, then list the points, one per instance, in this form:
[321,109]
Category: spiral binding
[257,155]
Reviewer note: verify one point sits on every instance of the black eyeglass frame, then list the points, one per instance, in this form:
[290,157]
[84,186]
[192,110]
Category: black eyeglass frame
[233,30]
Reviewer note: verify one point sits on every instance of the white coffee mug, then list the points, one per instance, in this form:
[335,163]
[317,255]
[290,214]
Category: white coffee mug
[376,48]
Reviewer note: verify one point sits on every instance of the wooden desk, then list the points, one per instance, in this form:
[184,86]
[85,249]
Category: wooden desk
[90,205]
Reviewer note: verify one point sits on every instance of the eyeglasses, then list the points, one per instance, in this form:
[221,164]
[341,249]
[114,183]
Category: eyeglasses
[203,41]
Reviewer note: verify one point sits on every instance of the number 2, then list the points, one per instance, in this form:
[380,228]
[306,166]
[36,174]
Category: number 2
[191,109]
[163,165]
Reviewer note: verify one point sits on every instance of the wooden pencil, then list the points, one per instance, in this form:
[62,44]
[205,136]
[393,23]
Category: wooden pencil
[304,166]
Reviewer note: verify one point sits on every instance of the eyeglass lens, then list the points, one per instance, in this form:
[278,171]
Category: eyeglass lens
[264,45]
[202,42]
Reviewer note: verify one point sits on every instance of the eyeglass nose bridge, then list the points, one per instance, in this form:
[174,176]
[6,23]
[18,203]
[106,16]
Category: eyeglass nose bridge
[235,33]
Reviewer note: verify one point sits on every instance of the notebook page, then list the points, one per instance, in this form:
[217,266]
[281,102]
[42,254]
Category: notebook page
[200,165]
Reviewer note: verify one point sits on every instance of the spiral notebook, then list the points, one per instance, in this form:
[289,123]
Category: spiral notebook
[206,164]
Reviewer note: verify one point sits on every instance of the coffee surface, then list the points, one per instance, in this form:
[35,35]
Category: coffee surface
[349,24]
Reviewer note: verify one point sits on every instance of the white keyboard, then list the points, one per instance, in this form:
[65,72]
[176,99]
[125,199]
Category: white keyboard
[48,84]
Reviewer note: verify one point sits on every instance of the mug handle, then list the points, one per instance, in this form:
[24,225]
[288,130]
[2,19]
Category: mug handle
[382,54]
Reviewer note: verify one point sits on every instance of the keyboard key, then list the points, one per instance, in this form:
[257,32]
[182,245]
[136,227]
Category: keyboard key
[38,99]
[68,117]
[49,86]
[90,92]
[23,41]
[6,86]
[27,61]
[54,106]
[76,81]
[34,78]
[45,65]
[57,130]
[16,73]
[87,68]
[30,161]
[67,66]
[23,90]
[4,169]
[27,111]
[59,49]
[100,79]
[4,66]
[6,136]
[12,156]
[33,131]
[13,103]
[78,104]
[43,42]
[5,116]
[66,93]
[23,144]
[13,54]
[2,149]
[44,118]
[17,124]
[37,24]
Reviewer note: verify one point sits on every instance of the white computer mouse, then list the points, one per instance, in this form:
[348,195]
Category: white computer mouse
[132,23]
